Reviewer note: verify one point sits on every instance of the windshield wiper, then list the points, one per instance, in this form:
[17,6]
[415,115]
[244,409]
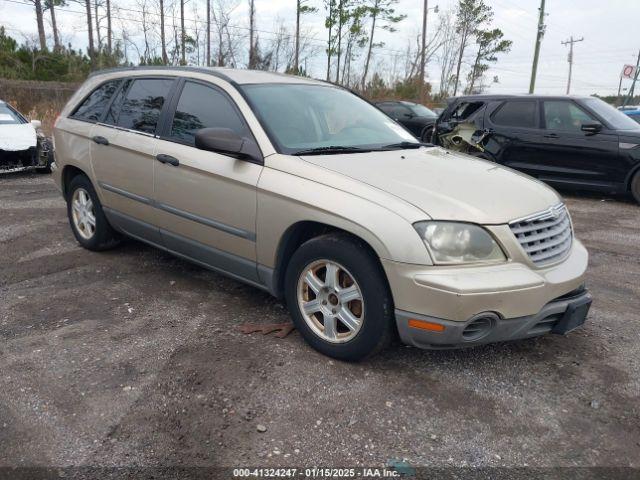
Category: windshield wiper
[403,145]
[331,149]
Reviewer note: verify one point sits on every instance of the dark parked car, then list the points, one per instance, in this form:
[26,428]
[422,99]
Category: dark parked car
[565,141]
[415,117]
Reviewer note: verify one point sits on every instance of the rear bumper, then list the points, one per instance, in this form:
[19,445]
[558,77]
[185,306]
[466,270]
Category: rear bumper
[549,319]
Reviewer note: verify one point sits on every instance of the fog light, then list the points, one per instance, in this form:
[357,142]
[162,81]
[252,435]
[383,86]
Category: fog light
[479,326]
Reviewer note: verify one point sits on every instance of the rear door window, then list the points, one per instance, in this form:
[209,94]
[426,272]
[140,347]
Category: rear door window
[92,108]
[143,103]
[201,106]
[520,114]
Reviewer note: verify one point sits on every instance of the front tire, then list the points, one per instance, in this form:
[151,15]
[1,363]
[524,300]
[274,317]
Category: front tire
[635,186]
[339,298]
[86,217]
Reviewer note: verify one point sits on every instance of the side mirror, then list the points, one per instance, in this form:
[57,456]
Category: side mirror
[591,128]
[37,124]
[227,142]
[410,115]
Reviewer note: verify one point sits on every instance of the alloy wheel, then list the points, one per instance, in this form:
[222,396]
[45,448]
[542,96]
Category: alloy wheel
[330,301]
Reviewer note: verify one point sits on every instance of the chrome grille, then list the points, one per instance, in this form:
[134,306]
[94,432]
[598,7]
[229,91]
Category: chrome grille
[546,237]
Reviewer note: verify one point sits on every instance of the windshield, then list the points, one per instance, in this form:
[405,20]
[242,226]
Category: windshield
[612,116]
[421,110]
[8,116]
[304,117]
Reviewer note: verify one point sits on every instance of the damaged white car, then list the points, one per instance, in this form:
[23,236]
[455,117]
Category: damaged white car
[22,145]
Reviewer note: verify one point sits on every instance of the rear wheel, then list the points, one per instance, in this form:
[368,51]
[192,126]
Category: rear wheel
[86,217]
[338,297]
[635,186]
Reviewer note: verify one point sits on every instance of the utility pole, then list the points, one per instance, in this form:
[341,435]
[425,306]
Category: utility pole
[633,85]
[423,48]
[541,29]
[570,43]
[208,49]
[183,34]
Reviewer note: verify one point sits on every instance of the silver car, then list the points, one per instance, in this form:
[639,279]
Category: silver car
[303,189]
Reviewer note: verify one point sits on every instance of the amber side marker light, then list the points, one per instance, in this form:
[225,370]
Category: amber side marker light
[423,325]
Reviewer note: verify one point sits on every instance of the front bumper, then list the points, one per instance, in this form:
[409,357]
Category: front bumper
[516,295]
[483,328]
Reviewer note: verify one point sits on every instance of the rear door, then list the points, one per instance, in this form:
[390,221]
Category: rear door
[206,201]
[569,155]
[123,154]
[515,134]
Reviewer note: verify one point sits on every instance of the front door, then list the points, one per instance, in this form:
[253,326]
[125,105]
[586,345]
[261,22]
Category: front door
[123,155]
[570,156]
[206,201]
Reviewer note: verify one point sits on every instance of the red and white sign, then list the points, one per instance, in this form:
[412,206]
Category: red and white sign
[629,71]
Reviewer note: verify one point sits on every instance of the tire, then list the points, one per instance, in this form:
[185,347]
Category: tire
[359,278]
[427,134]
[102,236]
[635,186]
[47,168]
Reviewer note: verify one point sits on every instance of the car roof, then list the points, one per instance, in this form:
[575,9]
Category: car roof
[232,75]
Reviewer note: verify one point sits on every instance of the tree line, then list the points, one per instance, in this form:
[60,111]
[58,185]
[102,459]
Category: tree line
[459,50]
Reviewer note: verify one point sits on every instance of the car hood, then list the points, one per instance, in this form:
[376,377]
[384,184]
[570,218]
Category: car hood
[446,185]
[17,137]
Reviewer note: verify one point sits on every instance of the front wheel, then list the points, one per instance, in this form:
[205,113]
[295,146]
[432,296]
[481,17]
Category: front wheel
[339,298]
[635,186]
[427,134]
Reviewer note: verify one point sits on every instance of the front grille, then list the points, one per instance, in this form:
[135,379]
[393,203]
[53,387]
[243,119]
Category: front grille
[546,237]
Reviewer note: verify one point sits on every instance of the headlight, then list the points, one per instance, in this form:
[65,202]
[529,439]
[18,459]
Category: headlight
[451,242]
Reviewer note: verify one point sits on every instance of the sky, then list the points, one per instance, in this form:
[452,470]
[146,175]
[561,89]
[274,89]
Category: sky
[609,30]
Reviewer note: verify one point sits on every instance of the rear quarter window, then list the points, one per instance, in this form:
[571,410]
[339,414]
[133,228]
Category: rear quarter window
[93,106]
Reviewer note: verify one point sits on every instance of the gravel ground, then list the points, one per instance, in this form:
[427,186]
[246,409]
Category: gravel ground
[134,358]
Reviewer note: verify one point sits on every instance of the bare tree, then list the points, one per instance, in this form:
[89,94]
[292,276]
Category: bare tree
[50,5]
[92,52]
[301,9]
[383,11]
[470,17]
[163,38]
[227,42]
[40,21]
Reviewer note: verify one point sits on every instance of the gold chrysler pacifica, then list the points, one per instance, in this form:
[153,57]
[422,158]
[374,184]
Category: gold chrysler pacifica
[305,190]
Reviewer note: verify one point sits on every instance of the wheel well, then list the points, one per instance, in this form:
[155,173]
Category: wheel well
[633,173]
[68,174]
[296,235]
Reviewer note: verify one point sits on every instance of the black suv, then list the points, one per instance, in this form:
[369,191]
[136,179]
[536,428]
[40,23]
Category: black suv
[416,118]
[578,141]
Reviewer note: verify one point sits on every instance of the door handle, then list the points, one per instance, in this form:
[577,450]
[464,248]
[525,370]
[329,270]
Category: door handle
[100,140]
[162,158]
[551,135]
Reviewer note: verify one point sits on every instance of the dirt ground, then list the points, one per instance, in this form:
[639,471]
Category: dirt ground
[134,358]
